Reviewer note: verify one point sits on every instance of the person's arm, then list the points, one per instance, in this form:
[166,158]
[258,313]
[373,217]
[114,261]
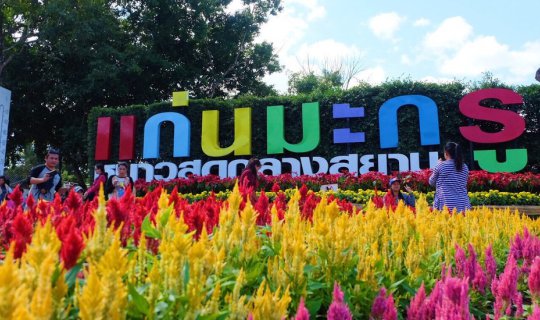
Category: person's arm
[34,174]
[434,176]
[95,186]
[409,199]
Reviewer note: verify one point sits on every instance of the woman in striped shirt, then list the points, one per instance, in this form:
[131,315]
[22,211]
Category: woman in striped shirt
[449,178]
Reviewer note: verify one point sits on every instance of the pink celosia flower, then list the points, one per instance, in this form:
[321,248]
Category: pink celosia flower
[416,309]
[383,307]
[454,303]
[536,314]
[302,313]
[338,310]
[534,278]
[505,288]
[491,264]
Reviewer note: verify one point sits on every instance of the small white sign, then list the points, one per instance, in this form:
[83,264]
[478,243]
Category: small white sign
[329,187]
[5,100]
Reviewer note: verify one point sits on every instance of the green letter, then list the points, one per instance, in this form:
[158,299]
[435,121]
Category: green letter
[516,159]
[276,129]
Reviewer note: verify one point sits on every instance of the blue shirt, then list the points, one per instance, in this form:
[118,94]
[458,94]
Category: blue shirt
[450,186]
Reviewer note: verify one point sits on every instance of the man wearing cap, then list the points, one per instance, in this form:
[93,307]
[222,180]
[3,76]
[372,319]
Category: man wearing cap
[394,194]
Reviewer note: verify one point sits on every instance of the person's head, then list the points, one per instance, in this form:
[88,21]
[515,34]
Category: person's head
[254,165]
[52,158]
[78,189]
[452,151]
[2,180]
[99,168]
[395,185]
[122,170]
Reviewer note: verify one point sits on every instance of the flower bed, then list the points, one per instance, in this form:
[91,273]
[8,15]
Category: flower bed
[492,197]
[161,257]
[478,181]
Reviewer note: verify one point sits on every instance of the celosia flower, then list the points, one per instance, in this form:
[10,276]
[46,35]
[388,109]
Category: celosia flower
[454,303]
[338,310]
[491,264]
[536,313]
[72,246]
[505,288]
[534,278]
[22,233]
[302,313]
[383,307]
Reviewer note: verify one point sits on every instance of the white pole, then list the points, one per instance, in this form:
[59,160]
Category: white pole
[5,100]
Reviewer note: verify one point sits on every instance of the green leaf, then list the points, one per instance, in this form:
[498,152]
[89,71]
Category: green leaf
[149,230]
[139,301]
[313,305]
[215,316]
[71,276]
[186,275]
[312,285]
[165,217]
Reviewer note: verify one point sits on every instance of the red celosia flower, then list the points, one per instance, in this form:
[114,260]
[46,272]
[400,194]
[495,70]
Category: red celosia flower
[22,233]
[72,246]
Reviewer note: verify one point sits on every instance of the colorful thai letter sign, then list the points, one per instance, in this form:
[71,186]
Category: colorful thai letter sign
[471,106]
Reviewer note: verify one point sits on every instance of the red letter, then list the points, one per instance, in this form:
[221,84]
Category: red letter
[513,123]
[103,139]
[127,138]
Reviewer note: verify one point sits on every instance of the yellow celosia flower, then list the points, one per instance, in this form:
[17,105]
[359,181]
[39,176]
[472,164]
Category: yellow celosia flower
[268,305]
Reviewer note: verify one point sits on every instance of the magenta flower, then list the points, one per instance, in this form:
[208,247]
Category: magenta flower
[534,278]
[302,313]
[535,315]
[454,303]
[338,310]
[416,309]
[491,264]
[505,288]
[383,307]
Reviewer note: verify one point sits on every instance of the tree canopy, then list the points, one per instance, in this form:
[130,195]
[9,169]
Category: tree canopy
[61,58]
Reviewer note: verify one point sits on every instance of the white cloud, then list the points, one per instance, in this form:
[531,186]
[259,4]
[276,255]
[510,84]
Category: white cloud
[477,56]
[234,6]
[485,53]
[374,75]
[422,22]
[326,51]
[452,33]
[432,79]
[286,30]
[385,25]
[406,60]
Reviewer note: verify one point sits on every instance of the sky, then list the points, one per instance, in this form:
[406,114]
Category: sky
[434,41]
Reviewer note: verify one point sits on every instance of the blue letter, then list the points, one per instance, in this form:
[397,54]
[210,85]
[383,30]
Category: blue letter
[152,135]
[429,120]
[345,135]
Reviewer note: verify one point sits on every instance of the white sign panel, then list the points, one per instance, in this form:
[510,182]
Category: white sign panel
[5,100]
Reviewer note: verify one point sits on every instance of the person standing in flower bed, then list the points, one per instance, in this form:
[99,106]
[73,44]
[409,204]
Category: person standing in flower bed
[118,184]
[394,194]
[99,169]
[248,181]
[449,178]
